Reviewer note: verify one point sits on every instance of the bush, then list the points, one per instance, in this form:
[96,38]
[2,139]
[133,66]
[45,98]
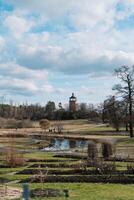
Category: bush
[45,193]
[24,124]
[92,150]
[107,150]
[44,124]
[105,168]
[14,159]
[124,179]
[130,168]
[2,122]
[14,124]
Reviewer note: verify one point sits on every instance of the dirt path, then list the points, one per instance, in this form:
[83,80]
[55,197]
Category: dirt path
[7,193]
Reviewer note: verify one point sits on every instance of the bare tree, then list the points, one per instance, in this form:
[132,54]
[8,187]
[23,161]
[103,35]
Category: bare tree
[44,124]
[113,112]
[126,89]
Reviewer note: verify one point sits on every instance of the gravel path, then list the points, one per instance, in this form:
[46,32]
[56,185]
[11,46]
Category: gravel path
[7,193]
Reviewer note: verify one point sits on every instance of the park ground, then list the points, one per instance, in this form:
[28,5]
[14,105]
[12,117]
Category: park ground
[33,155]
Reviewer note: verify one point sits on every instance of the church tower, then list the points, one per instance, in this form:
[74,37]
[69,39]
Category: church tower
[72,103]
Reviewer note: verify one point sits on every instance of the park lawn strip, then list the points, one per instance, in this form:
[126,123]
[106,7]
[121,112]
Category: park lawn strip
[40,155]
[87,191]
[10,170]
[91,191]
[126,141]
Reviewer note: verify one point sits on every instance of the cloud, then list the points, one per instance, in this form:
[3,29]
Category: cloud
[49,7]
[23,81]
[14,70]
[63,37]
[94,45]
[2,46]
[2,42]
[80,60]
[58,8]
[17,25]
[17,86]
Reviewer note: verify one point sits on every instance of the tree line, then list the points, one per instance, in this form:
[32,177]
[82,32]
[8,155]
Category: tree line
[50,111]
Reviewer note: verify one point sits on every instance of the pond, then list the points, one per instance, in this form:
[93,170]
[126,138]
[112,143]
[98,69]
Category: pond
[58,144]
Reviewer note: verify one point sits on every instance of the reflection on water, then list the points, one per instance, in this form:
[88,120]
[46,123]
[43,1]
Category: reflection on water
[65,144]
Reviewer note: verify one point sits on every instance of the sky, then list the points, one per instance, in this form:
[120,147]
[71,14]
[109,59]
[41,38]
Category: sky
[51,48]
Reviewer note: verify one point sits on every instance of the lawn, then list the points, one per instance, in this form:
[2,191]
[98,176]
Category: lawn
[92,191]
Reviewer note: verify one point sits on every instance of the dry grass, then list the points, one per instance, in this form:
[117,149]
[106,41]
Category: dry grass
[80,125]
[69,126]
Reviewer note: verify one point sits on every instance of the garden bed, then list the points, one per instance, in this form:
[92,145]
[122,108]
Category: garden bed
[45,193]
[60,165]
[51,160]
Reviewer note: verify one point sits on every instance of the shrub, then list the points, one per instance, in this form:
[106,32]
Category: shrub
[14,159]
[130,168]
[14,124]
[107,150]
[2,122]
[24,124]
[105,168]
[45,193]
[92,150]
[10,123]
[124,179]
[44,124]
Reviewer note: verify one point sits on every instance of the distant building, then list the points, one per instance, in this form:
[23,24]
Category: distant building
[72,103]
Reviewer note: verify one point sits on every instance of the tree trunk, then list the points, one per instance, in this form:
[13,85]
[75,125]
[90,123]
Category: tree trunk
[130,111]
[130,120]
[103,117]
[117,129]
[126,126]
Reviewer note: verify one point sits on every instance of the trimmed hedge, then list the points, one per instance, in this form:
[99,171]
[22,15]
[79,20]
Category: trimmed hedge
[123,179]
[71,172]
[61,165]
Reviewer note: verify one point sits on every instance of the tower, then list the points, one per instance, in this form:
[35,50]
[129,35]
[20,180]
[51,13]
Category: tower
[72,103]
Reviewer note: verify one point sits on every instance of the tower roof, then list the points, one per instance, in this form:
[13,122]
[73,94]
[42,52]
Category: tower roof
[72,97]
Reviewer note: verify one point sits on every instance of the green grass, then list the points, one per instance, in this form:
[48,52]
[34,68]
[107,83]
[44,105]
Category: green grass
[86,191]
[39,155]
[126,141]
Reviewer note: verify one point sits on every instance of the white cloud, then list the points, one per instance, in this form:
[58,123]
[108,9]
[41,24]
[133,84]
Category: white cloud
[16,79]
[51,8]
[2,42]
[71,37]
[15,70]
[86,13]
[17,25]
[18,86]
[96,44]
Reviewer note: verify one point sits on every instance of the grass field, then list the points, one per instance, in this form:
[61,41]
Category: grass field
[82,126]
[82,191]
[93,191]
